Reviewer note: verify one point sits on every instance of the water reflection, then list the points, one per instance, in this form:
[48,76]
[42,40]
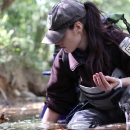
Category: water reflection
[38,125]
[21,125]
[22,116]
[22,112]
[27,117]
[127,126]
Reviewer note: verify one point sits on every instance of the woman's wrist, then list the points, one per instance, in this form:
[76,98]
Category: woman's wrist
[119,85]
[50,116]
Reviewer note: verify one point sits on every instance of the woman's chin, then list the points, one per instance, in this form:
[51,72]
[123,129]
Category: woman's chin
[68,50]
[65,50]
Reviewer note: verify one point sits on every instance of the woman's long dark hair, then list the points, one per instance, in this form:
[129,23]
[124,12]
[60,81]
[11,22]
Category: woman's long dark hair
[98,37]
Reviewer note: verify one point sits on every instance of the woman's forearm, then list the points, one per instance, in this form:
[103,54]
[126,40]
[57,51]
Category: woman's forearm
[125,82]
[50,116]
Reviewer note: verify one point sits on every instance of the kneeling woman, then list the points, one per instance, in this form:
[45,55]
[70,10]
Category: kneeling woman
[100,55]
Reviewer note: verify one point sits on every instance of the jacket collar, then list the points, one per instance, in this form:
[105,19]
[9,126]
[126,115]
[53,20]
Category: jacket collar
[74,61]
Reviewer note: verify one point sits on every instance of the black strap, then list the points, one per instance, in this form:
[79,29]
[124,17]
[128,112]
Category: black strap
[126,23]
[77,108]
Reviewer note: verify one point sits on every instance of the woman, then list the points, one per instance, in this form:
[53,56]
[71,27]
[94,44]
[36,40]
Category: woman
[98,52]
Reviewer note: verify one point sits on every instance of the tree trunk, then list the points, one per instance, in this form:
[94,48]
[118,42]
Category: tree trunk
[6,4]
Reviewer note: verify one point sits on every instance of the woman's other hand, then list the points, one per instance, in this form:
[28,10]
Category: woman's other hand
[105,83]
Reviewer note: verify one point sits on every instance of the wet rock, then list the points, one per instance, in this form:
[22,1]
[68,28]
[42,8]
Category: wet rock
[26,94]
[17,92]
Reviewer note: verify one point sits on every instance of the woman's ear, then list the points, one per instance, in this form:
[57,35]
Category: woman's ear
[78,27]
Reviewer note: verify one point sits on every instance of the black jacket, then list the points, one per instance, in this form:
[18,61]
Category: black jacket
[61,94]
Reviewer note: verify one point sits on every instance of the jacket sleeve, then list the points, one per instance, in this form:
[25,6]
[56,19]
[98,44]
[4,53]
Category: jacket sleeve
[61,91]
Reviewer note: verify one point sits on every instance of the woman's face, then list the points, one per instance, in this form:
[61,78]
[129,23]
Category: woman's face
[71,40]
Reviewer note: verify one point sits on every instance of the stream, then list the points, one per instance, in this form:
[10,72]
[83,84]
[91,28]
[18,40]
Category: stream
[27,117]
[22,117]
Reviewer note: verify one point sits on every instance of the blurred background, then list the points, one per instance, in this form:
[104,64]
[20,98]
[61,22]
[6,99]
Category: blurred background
[22,56]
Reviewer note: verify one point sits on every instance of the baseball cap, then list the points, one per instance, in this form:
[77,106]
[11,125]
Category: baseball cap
[61,16]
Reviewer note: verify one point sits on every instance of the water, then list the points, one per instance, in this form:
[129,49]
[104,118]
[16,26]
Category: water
[21,125]
[35,124]
[38,125]
[126,108]
[22,116]
[27,117]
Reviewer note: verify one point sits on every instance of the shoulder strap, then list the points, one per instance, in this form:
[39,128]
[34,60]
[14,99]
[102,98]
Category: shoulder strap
[71,74]
[126,23]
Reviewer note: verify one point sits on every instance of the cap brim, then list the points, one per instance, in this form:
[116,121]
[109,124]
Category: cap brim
[52,37]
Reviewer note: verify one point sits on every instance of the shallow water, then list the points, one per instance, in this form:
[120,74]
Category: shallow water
[27,117]
[38,125]
[21,125]
[22,116]
[30,125]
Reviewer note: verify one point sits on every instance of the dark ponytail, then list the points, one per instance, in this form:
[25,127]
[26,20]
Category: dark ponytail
[99,59]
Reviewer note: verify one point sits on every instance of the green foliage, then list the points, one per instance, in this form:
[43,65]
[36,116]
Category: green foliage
[23,26]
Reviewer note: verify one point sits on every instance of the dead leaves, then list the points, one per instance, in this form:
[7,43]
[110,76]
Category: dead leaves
[3,119]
